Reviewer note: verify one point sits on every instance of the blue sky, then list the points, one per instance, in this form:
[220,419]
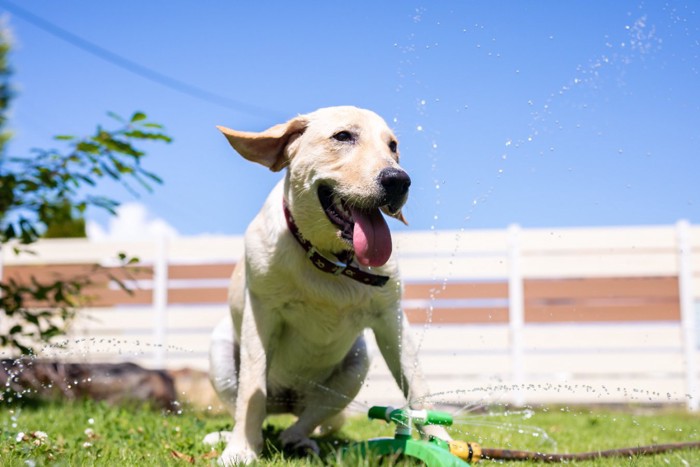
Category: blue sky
[578,113]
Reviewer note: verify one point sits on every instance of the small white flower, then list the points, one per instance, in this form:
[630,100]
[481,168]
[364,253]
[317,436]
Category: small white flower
[91,421]
[87,444]
[40,435]
[20,437]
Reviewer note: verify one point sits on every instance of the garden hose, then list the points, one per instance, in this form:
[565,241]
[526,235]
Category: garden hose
[513,455]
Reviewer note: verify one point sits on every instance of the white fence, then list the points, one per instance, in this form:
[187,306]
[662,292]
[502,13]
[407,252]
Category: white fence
[525,315]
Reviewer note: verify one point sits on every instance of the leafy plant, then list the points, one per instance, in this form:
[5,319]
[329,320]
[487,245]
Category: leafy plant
[43,188]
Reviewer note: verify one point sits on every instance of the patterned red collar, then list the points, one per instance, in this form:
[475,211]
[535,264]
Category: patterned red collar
[341,266]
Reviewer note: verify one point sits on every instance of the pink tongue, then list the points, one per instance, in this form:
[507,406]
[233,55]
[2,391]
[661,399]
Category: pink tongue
[371,238]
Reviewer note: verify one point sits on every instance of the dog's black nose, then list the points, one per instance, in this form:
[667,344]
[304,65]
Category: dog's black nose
[395,183]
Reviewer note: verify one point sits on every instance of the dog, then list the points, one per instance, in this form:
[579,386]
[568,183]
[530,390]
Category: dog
[318,270]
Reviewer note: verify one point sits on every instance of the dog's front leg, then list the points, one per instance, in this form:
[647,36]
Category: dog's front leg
[394,341]
[251,401]
[326,399]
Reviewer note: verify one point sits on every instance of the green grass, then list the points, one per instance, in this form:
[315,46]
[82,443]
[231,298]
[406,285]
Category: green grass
[90,433]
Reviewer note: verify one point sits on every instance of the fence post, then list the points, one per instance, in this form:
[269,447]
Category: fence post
[160,300]
[2,259]
[685,286]
[516,313]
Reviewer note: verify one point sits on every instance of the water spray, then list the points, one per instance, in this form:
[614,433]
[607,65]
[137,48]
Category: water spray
[436,452]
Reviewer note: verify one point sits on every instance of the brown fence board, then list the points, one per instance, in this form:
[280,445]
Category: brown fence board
[99,275]
[643,287]
[199,295]
[456,290]
[581,313]
[458,315]
[113,297]
[201,271]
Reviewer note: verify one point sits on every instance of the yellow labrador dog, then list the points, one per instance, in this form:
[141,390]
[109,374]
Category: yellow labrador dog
[318,271]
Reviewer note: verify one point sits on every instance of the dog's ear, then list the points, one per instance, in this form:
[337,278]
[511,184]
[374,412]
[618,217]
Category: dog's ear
[268,147]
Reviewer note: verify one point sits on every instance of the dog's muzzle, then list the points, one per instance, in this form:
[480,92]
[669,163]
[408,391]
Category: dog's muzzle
[360,222]
[395,183]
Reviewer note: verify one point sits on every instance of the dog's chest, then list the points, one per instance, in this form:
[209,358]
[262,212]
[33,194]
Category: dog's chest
[323,321]
[314,337]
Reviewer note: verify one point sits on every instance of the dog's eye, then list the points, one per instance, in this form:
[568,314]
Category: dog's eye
[393,146]
[344,136]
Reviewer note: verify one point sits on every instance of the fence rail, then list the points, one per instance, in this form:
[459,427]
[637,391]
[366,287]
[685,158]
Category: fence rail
[519,308]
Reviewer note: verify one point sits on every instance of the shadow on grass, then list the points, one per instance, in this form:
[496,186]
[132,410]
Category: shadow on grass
[332,452]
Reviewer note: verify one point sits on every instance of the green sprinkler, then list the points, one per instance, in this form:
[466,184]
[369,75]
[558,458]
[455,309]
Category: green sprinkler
[435,452]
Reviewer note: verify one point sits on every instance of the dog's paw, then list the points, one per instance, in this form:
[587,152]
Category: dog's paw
[234,455]
[331,425]
[302,448]
[298,445]
[212,439]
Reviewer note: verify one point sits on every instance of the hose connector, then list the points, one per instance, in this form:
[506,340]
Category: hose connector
[468,452]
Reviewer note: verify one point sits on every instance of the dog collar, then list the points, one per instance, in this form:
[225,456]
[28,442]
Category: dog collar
[340,267]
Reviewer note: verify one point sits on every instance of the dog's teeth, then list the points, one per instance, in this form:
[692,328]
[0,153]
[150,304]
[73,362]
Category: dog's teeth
[341,208]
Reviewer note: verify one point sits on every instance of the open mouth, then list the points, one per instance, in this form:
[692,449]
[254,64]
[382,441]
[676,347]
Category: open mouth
[364,228]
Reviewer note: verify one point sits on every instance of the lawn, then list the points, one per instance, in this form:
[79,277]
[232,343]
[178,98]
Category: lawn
[91,433]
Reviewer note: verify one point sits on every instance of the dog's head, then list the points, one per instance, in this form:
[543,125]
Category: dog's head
[343,170]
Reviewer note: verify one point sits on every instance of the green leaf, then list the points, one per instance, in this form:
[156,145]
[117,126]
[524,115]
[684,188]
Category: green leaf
[111,172]
[152,176]
[52,331]
[9,232]
[22,348]
[64,137]
[138,134]
[137,117]
[116,117]
[86,179]
[90,148]
[32,318]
